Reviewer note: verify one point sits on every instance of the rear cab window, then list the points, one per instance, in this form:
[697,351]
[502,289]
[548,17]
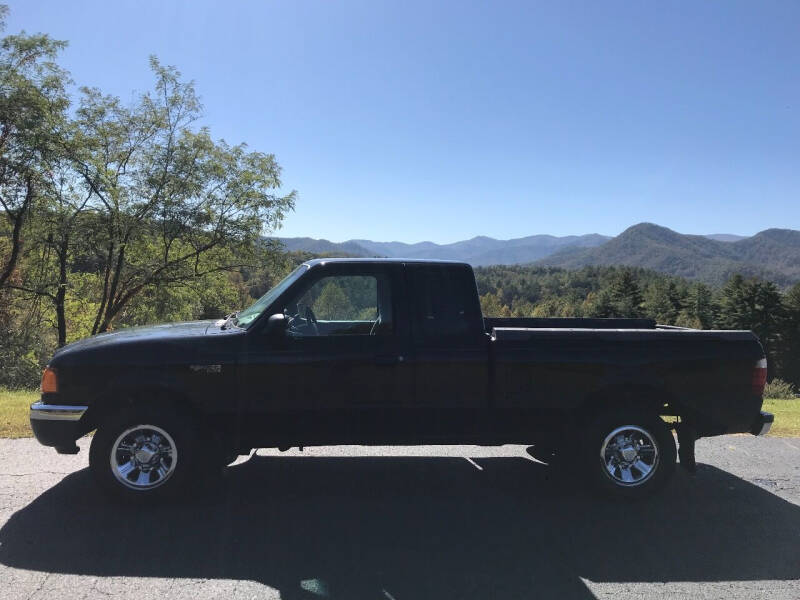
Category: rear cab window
[444,305]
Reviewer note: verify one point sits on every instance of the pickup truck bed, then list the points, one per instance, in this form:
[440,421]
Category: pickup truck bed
[570,370]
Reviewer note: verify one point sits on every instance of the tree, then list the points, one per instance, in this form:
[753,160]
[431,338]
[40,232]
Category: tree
[173,205]
[664,302]
[700,310]
[627,295]
[491,306]
[33,102]
[599,305]
[61,223]
[738,304]
[757,306]
[333,304]
[790,347]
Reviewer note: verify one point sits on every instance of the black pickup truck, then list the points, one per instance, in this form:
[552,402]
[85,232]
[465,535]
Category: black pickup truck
[382,352]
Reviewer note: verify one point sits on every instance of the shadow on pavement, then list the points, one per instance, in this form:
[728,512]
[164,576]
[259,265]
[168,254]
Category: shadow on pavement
[413,528]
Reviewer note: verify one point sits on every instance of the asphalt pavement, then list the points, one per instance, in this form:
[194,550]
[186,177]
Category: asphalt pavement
[406,523]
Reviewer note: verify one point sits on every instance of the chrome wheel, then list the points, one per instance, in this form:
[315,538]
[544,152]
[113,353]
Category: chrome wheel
[143,457]
[629,455]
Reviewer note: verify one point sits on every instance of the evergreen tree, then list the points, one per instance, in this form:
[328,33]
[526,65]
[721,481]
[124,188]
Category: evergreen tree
[790,342]
[699,311]
[599,305]
[757,306]
[738,304]
[627,295]
[663,302]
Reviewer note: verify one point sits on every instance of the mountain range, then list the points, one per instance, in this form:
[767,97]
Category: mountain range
[478,251]
[773,254]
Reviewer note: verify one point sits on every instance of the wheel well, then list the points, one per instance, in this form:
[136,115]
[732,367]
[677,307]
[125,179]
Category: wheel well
[117,400]
[163,398]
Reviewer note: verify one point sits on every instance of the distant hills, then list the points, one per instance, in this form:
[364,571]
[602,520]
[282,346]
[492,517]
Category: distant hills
[773,254]
[478,251]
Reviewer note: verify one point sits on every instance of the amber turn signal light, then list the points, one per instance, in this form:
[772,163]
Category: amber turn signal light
[49,381]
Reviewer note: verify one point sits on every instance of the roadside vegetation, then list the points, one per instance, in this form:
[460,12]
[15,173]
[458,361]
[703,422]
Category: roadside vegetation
[787,417]
[14,421]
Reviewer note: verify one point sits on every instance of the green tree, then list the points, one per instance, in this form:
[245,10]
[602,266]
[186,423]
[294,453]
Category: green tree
[599,305]
[738,304]
[757,306]
[173,205]
[700,310]
[33,105]
[790,346]
[626,295]
[491,306]
[332,303]
[664,302]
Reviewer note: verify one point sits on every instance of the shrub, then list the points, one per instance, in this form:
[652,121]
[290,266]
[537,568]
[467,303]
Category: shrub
[21,367]
[778,388]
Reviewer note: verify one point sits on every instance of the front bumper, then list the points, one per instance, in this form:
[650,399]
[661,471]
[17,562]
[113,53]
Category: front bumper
[762,424]
[57,424]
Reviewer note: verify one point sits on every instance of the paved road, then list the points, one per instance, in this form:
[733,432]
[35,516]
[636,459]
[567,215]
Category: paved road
[385,523]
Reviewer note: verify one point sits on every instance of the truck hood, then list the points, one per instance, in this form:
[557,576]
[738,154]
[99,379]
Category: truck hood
[168,333]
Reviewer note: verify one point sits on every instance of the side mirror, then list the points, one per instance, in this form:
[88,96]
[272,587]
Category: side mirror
[276,325]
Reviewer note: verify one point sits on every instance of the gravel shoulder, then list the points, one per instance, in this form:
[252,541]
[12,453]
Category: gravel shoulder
[429,522]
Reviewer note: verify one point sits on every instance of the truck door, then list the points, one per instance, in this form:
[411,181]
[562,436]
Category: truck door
[340,370]
[450,350]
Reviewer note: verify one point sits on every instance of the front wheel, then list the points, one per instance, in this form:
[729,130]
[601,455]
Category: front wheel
[630,455]
[144,455]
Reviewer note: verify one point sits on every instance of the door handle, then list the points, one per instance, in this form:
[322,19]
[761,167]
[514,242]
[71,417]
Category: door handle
[388,360]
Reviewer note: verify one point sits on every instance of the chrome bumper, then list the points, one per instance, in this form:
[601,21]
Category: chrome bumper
[56,412]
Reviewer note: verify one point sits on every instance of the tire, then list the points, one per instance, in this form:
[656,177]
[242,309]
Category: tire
[145,455]
[629,455]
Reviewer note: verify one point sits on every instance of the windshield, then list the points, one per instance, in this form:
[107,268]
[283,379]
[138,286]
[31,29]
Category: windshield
[250,314]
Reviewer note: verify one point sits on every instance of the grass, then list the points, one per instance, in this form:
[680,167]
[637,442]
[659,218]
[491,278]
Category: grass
[14,421]
[787,417]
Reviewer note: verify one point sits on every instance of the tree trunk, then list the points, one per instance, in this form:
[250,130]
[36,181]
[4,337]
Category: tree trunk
[104,297]
[16,243]
[61,293]
[112,301]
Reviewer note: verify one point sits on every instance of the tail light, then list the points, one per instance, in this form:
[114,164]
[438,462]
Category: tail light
[759,379]
[49,381]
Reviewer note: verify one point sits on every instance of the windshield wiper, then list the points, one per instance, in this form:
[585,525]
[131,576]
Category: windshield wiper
[230,320]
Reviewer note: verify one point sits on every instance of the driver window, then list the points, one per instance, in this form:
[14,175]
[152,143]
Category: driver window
[342,305]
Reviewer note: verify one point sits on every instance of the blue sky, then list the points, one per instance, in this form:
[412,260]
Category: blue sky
[444,120]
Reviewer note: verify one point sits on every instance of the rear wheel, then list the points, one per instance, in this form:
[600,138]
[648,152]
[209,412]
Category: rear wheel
[630,455]
[144,455]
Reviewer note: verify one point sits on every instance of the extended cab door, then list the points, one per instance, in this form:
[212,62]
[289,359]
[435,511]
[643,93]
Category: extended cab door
[450,349]
[340,370]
